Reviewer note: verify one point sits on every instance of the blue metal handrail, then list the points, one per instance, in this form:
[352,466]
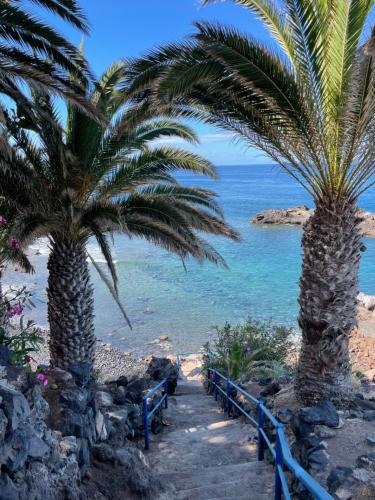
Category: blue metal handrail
[280,452]
[147,414]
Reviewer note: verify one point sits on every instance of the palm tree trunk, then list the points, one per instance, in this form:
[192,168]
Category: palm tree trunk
[70,305]
[328,302]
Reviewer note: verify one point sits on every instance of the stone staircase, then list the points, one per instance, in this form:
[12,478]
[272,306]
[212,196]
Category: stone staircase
[204,455]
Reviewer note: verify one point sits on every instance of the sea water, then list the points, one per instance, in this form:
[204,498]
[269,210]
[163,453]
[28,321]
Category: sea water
[161,298]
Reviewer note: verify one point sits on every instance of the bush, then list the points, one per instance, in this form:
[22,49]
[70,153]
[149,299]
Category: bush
[250,349]
[21,336]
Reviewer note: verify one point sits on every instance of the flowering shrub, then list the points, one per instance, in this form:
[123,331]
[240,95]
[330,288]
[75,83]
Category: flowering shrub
[42,379]
[19,335]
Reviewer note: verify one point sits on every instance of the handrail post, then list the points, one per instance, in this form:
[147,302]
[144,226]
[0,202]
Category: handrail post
[228,397]
[260,429]
[145,423]
[166,394]
[278,461]
[215,384]
[209,380]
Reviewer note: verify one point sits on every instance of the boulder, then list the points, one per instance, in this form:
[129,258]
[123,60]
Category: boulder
[81,373]
[271,389]
[324,432]
[369,415]
[3,424]
[161,368]
[367,461]
[285,415]
[323,414]
[75,398]
[340,483]
[69,445]
[8,491]
[103,453]
[104,399]
[15,405]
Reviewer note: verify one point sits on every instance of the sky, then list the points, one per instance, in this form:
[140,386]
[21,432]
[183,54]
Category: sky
[129,28]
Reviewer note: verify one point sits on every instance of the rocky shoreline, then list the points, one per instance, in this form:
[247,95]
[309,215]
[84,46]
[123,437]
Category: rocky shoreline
[299,215]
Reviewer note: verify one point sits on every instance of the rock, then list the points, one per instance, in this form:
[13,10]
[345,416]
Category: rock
[340,481]
[8,491]
[323,414]
[318,460]
[39,406]
[72,424]
[368,301]
[163,338]
[60,376]
[365,489]
[365,404]
[300,428]
[264,380]
[15,405]
[81,373]
[118,415]
[285,415]
[69,445]
[369,415]
[141,478]
[5,356]
[19,378]
[122,381]
[37,448]
[103,453]
[104,399]
[324,432]
[75,399]
[300,214]
[354,414]
[367,461]
[161,368]
[3,424]
[296,215]
[83,452]
[271,389]
[370,440]
[119,397]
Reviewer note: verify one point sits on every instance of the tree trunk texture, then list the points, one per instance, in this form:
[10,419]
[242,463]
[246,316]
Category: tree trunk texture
[70,306]
[328,303]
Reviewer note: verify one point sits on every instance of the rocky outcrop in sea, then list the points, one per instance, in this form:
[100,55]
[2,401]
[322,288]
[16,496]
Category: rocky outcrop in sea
[300,214]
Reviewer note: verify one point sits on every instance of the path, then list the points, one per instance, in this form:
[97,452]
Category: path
[206,455]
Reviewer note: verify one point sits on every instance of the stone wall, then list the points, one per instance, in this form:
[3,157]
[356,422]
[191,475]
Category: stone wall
[49,436]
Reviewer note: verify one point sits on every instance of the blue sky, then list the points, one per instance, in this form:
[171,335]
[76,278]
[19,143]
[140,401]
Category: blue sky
[128,28]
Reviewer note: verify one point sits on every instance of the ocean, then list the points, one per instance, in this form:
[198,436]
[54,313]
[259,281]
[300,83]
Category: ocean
[161,298]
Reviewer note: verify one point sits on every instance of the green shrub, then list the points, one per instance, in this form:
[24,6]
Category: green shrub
[250,349]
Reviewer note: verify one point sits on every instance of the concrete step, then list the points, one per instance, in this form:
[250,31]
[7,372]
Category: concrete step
[201,475]
[230,489]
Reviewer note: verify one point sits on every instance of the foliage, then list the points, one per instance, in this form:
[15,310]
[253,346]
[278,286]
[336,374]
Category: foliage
[11,248]
[34,53]
[19,335]
[250,349]
[93,180]
[307,101]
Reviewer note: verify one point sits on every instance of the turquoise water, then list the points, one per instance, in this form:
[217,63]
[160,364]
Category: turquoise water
[262,279]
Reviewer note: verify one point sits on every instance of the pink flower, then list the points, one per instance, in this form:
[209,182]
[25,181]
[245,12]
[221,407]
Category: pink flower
[42,379]
[2,220]
[14,310]
[15,243]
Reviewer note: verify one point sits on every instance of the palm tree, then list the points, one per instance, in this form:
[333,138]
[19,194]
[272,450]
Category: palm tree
[307,101]
[90,181]
[32,52]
